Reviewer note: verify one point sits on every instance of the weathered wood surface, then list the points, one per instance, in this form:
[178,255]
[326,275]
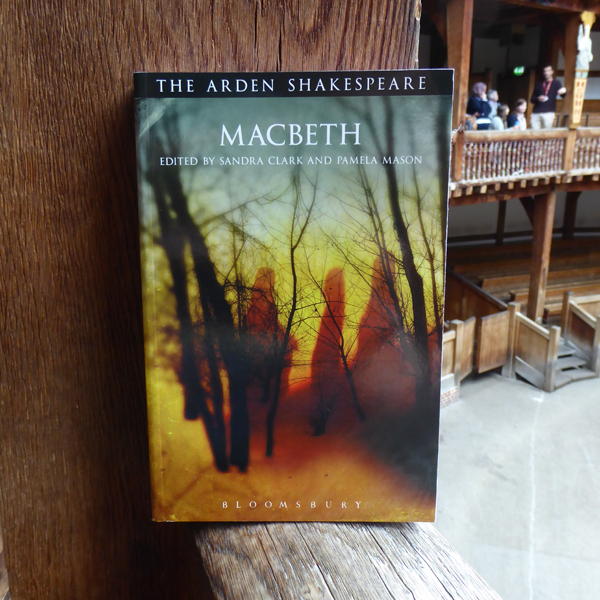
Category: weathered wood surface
[75,501]
[287,561]
[492,341]
[3,573]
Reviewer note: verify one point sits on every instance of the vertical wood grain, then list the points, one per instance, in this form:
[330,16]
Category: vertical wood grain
[543,222]
[74,484]
[459,15]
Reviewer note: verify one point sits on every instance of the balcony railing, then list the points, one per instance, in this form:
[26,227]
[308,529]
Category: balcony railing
[485,157]
[586,158]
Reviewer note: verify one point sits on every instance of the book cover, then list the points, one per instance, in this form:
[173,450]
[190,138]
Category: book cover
[293,240]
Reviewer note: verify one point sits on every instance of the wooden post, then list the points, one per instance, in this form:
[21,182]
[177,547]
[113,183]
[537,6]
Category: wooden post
[530,88]
[459,15]
[508,370]
[74,468]
[543,222]
[458,327]
[570,215]
[551,360]
[458,155]
[595,362]
[501,222]
[569,152]
[564,315]
[528,204]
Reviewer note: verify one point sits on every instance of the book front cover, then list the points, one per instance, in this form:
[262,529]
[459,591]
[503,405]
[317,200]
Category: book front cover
[293,241]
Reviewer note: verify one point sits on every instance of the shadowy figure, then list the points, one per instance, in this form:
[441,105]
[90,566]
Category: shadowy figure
[265,336]
[384,374]
[328,381]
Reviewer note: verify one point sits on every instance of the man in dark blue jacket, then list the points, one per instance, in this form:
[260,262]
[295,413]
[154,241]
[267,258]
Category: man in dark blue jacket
[544,100]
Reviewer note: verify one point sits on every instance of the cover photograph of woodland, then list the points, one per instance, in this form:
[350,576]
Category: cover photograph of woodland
[293,305]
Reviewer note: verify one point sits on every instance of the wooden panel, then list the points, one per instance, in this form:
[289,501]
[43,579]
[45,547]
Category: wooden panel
[531,347]
[526,371]
[492,341]
[468,347]
[591,307]
[448,354]
[581,334]
[75,498]
[285,561]
[464,299]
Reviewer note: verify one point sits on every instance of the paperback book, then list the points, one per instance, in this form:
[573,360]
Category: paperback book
[293,241]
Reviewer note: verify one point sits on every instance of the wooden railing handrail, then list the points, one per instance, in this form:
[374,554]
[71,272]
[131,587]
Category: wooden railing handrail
[477,290]
[587,132]
[481,157]
[512,134]
[586,299]
[533,326]
[582,314]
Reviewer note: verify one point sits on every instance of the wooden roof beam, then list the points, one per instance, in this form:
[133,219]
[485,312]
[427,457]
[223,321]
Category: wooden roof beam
[573,6]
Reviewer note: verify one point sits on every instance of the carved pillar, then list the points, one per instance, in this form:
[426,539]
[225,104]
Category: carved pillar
[582,64]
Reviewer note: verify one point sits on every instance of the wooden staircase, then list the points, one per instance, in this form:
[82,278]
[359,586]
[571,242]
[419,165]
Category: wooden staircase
[569,366]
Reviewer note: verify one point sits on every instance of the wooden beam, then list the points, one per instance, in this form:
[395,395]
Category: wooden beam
[528,203]
[501,223]
[532,75]
[509,194]
[543,223]
[434,10]
[570,215]
[559,6]
[459,15]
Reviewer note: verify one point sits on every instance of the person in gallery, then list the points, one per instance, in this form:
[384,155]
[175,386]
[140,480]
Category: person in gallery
[544,98]
[494,100]
[479,107]
[499,121]
[516,120]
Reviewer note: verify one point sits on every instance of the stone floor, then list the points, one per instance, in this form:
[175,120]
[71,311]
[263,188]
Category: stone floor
[519,486]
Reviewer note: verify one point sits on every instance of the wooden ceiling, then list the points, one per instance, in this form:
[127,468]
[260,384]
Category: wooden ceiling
[491,16]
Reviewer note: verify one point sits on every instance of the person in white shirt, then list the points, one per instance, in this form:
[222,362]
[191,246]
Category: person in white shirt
[499,121]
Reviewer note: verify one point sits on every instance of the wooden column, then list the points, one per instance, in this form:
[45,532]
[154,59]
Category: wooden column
[74,467]
[501,223]
[460,22]
[543,222]
[570,217]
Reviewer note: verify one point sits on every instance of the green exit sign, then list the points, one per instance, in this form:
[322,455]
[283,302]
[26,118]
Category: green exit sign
[519,70]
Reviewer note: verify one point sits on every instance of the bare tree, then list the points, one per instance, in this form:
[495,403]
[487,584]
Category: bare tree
[301,217]
[172,241]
